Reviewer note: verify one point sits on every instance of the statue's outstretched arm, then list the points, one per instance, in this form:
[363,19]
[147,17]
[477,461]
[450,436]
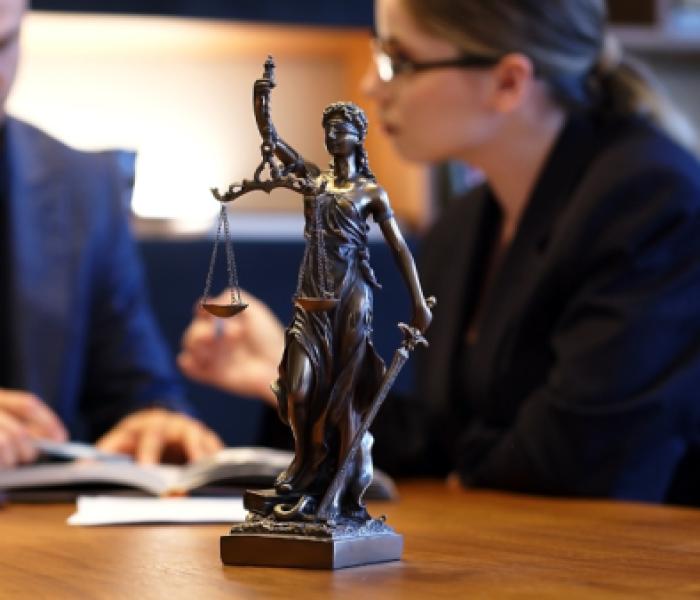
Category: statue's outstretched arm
[382,213]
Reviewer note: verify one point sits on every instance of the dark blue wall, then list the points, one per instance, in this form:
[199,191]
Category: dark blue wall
[317,12]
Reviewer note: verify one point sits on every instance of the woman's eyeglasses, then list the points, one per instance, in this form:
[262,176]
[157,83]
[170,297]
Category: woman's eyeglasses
[390,65]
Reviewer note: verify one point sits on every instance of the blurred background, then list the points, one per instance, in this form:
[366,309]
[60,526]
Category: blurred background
[172,80]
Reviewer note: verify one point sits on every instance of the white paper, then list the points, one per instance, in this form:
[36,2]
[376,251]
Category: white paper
[121,510]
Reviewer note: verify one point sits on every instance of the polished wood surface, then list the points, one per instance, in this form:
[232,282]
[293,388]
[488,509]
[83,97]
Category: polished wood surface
[458,544]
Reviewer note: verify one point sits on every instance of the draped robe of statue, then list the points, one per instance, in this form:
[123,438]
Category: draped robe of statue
[347,370]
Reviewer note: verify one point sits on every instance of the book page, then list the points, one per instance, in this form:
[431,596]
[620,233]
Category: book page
[120,510]
[154,479]
[245,464]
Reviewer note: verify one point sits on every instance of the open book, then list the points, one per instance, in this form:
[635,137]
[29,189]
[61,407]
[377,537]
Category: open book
[228,472]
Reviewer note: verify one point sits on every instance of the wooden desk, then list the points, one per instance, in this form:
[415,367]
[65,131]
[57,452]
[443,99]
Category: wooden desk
[458,545]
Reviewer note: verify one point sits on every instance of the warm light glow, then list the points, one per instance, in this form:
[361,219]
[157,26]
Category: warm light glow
[177,91]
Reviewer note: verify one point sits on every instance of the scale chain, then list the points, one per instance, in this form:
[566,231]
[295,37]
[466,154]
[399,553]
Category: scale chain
[230,260]
[212,261]
[232,272]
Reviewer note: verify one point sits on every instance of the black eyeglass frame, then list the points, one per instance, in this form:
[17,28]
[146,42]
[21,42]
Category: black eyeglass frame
[406,66]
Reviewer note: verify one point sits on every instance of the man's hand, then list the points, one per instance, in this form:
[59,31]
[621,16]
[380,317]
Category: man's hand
[154,435]
[238,355]
[23,417]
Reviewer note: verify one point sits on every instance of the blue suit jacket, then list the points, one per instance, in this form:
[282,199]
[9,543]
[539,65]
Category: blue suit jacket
[83,337]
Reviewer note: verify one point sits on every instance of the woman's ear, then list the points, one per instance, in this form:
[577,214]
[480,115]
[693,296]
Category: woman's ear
[513,80]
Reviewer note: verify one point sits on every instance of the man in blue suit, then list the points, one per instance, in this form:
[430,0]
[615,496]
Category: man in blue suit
[80,355]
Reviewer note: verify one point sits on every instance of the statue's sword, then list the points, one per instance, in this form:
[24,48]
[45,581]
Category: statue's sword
[412,337]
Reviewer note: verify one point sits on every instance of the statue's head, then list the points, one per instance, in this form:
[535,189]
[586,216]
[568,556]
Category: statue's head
[352,121]
[348,112]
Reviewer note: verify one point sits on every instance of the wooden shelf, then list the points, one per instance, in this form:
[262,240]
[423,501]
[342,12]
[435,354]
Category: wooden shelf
[658,40]
[658,26]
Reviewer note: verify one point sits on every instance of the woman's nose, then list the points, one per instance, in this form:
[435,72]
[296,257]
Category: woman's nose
[370,81]
[373,87]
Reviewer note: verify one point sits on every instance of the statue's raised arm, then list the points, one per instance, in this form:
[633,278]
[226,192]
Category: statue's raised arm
[272,142]
[286,166]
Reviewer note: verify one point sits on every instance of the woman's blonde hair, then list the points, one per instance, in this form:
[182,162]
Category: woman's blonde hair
[570,48]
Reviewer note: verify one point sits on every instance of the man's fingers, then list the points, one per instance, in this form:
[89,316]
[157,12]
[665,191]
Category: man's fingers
[202,355]
[188,438]
[185,437]
[202,313]
[120,439]
[190,367]
[33,413]
[48,425]
[200,340]
[21,405]
[7,452]
[213,335]
[54,426]
[211,442]
[191,442]
[200,330]
[155,434]
[199,441]
[149,446]
[16,445]
[26,450]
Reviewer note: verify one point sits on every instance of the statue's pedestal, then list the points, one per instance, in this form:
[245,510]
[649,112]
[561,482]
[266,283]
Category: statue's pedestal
[286,550]
[265,541]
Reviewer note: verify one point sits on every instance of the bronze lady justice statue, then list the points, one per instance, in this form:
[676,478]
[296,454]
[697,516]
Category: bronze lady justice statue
[330,372]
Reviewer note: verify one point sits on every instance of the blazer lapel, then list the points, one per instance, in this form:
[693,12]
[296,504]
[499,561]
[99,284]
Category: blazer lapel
[39,301]
[519,274]
[450,262]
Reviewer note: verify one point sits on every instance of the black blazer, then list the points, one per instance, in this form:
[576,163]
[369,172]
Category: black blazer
[585,379]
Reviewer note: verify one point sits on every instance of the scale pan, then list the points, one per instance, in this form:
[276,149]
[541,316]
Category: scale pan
[224,310]
[316,304]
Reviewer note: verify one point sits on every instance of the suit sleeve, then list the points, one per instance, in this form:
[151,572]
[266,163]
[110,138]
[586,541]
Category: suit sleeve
[129,367]
[615,413]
